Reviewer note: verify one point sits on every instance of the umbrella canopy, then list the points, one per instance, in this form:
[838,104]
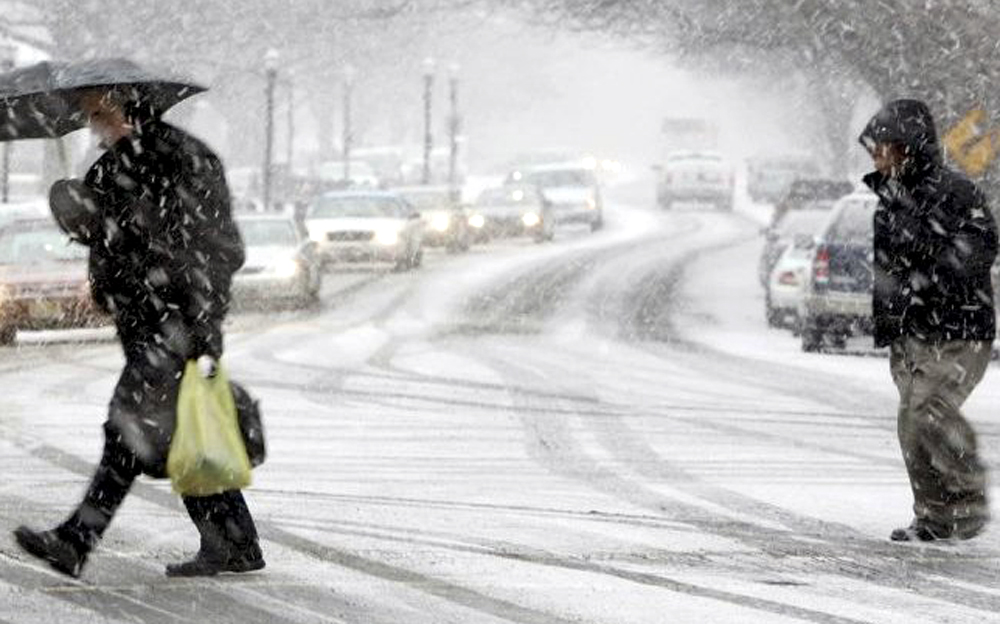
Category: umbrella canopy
[39,101]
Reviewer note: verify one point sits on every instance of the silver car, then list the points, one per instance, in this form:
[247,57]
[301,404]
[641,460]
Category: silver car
[366,226]
[571,189]
[282,263]
[838,295]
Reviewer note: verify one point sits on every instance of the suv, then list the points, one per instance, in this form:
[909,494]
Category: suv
[769,178]
[571,189]
[813,193]
[838,294]
[695,177]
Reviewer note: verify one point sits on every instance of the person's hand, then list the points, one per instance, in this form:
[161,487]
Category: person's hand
[207,366]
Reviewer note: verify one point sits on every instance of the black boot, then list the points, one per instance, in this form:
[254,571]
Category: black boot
[61,553]
[921,530]
[229,541]
[206,564]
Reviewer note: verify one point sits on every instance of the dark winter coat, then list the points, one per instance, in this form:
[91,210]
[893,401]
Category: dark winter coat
[935,238]
[161,265]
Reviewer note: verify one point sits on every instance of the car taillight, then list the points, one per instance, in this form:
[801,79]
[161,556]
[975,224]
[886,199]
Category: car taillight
[788,278]
[821,266]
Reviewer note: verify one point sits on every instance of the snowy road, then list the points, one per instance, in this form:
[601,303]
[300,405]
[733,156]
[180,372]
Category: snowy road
[597,430]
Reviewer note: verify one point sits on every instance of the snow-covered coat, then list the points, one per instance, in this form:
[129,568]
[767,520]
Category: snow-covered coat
[161,264]
[935,238]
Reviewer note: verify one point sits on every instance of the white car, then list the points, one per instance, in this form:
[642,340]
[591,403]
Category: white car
[281,262]
[698,177]
[787,283]
[366,226]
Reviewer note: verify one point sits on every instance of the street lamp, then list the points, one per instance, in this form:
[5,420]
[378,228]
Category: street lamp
[454,123]
[349,74]
[7,55]
[428,67]
[271,73]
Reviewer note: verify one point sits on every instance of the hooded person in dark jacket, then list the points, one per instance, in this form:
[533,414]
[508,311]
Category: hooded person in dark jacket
[935,240]
[154,211]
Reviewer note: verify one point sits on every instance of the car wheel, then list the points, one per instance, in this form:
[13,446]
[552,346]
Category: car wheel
[7,334]
[774,317]
[418,258]
[812,336]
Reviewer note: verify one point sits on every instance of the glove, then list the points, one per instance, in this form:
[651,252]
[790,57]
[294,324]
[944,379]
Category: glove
[207,366]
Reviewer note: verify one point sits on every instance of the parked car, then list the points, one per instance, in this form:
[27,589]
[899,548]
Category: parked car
[512,211]
[779,236]
[811,194]
[446,222]
[786,285]
[838,295]
[366,226]
[698,177]
[770,177]
[571,189]
[282,264]
[43,280]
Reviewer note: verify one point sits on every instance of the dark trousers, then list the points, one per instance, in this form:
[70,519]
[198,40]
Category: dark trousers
[227,529]
[939,445]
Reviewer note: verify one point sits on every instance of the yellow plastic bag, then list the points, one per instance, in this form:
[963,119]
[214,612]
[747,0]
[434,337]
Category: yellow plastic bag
[207,455]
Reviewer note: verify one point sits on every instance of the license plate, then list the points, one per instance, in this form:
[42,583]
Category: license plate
[46,310]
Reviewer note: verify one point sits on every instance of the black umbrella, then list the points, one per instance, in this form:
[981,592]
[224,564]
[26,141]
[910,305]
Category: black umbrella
[40,101]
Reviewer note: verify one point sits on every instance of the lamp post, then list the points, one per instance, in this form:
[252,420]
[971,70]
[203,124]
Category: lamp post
[7,55]
[349,74]
[428,67]
[290,145]
[271,74]
[454,124]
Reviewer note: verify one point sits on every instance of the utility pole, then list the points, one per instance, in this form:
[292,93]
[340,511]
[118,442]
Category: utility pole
[271,75]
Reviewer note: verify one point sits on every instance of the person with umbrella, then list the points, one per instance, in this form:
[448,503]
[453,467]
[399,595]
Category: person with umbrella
[154,211]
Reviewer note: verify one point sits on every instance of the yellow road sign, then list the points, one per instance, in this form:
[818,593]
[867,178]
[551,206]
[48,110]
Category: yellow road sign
[970,145]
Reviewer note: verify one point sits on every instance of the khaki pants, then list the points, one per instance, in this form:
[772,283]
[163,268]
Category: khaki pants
[938,444]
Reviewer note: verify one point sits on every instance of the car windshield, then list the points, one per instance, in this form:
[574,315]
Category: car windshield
[38,245]
[268,233]
[854,223]
[803,222]
[560,177]
[510,197]
[356,206]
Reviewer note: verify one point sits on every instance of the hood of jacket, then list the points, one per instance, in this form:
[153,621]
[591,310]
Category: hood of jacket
[908,123]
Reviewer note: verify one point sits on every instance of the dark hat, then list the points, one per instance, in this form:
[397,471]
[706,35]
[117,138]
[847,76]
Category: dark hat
[75,210]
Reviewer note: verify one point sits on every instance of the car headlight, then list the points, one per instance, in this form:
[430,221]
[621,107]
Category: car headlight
[286,268]
[530,219]
[387,237]
[477,221]
[591,204]
[441,222]
[317,236]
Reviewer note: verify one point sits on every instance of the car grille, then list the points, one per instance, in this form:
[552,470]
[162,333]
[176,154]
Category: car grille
[54,289]
[352,236]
